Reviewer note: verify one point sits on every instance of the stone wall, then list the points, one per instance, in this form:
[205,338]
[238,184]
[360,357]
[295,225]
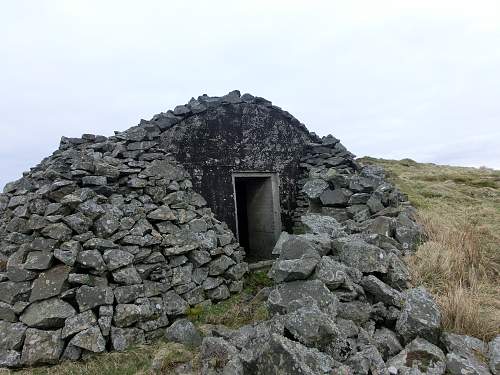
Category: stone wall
[102,245]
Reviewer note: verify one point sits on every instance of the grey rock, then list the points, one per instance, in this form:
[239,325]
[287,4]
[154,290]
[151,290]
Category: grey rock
[494,353]
[237,271]
[220,265]
[9,358]
[94,180]
[42,347]
[68,252]
[297,260]
[128,314]
[7,313]
[78,222]
[127,276]
[57,231]
[107,224]
[89,297]
[420,316]
[466,354]
[335,198]
[50,313]
[12,292]
[284,236]
[78,323]
[123,338]
[129,293]
[367,361]
[38,260]
[314,188]
[318,224]
[335,274]
[356,253]
[115,258]
[90,339]
[387,342]
[283,356]
[12,335]
[422,355]
[91,259]
[380,291]
[173,304]
[219,293]
[183,332]
[50,283]
[289,296]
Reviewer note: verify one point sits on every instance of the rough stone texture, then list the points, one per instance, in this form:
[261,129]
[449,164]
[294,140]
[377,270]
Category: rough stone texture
[50,313]
[494,353]
[422,355]
[420,316]
[42,347]
[184,332]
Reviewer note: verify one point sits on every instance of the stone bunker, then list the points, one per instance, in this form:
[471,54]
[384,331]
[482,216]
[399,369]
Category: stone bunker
[110,239]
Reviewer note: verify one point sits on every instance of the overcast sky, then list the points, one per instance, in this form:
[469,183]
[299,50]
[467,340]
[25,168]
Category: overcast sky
[392,79]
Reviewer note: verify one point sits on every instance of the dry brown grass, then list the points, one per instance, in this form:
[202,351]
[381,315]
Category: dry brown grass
[460,262]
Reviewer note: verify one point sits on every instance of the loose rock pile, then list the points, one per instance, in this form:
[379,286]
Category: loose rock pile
[342,303]
[105,244]
[102,245]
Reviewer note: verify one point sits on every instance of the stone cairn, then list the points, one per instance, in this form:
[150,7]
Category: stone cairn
[105,244]
[102,245]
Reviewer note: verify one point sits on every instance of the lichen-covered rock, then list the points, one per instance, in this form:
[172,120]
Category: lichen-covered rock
[48,314]
[123,338]
[184,332]
[289,296]
[422,355]
[90,339]
[42,347]
[466,354]
[12,336]
[420,316]
[283,356]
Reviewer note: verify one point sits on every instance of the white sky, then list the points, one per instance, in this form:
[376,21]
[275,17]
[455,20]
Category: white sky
[392,79]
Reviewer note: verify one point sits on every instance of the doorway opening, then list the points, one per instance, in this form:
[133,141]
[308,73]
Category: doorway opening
[258,218]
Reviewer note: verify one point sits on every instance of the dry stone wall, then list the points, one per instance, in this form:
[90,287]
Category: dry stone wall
[102,245]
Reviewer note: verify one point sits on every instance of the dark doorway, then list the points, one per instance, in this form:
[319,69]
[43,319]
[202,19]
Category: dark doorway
[257,213]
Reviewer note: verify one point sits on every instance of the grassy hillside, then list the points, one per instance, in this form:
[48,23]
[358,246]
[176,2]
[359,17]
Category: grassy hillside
[460,262]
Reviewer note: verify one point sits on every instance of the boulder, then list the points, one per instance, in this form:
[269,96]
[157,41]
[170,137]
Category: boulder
[123,338]
[422,355]
[313,188]
[336,197]
[380,291]
[89,297]
[184,332]
[283,356]
[48,314]
[289,296]
[466,354]
[12,335]
[420,316]
[78,323]
[318,224]
[356,253]
[9,359]
[50,283]
[90,339]
[42,347]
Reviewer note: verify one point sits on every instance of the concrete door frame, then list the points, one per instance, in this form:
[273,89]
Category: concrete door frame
[274,191]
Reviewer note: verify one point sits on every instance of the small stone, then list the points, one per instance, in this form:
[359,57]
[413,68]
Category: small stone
[115,258]
[12,335]
[127,276]
[50,283]
[89,297]
[123,338]
[78,323]
[91,339]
